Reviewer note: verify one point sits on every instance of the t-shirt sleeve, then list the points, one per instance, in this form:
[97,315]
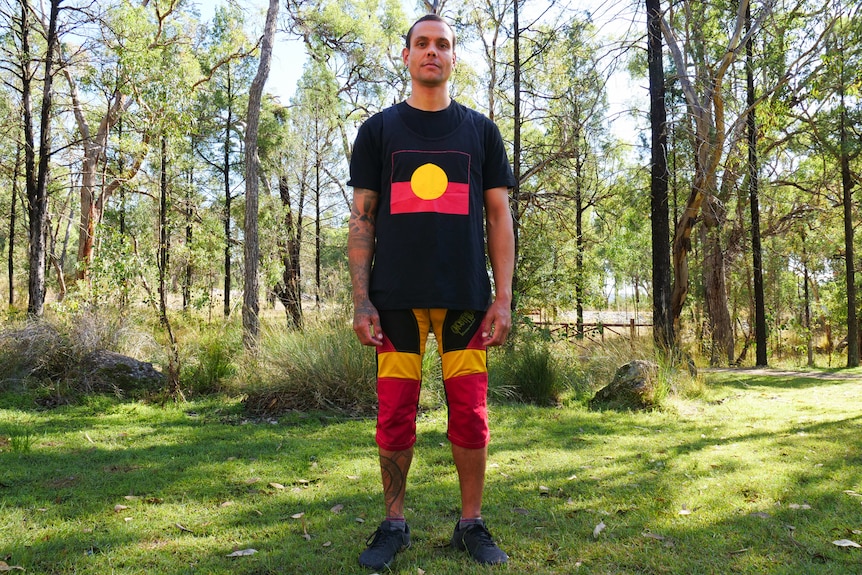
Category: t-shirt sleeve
[365,162]
[497,171]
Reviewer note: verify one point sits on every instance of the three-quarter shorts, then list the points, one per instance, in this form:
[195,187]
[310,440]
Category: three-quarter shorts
[399,375]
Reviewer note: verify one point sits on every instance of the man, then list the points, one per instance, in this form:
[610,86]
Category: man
[430,178]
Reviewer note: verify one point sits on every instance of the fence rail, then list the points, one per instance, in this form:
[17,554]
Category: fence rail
[594,331]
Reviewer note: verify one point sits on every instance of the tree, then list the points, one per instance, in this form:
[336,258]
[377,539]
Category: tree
[37,179]
[251,304]
[230,73]
[659,214]
[754,204]
[704,90]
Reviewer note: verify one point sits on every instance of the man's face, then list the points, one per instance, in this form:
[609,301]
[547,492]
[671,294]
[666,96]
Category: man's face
[431,55]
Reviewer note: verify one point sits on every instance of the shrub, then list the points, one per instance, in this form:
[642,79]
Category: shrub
[322,367]
[210,365]
[525,371]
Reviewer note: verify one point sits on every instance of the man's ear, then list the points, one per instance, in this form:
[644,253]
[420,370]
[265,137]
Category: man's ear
[404,53]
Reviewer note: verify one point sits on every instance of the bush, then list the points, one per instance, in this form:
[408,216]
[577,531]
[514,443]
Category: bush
[210,365]
[322,367]
[526,371]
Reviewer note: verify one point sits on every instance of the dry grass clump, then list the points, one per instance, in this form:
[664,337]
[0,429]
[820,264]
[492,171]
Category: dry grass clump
[35,350]
[323,367]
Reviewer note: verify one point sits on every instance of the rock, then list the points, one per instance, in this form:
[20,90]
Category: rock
[104,370]
[634,386]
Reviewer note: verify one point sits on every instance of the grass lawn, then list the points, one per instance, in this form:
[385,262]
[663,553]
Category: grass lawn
[760,476]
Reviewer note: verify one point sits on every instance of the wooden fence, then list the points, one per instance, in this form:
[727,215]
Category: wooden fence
[593,331]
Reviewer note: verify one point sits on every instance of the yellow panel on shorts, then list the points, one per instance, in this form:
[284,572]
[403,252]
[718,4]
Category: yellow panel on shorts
[399,365]
[464,362]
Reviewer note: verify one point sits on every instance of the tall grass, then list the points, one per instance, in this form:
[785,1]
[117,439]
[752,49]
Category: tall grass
[323,367]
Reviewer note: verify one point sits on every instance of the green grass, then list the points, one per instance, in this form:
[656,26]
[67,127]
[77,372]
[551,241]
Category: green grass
[768,469]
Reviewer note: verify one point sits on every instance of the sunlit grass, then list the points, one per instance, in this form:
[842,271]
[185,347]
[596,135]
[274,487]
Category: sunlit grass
[760,475]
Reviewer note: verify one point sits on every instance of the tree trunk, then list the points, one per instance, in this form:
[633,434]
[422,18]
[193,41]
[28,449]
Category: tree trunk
[251,305]
[753,193]
[37,192]
[12,222]
[516,153]
[579,243]
[227,202]
[716,284]
[289,290]
[663,333]
[849,257]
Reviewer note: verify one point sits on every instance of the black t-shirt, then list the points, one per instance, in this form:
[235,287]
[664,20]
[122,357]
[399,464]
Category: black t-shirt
[431,170]
[365,162]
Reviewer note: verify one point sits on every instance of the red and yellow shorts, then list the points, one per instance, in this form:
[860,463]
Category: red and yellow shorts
[399,375]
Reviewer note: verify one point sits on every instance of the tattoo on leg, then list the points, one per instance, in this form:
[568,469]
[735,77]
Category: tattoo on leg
[394,469]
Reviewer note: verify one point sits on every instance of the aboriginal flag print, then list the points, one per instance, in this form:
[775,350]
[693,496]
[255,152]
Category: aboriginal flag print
[436,182]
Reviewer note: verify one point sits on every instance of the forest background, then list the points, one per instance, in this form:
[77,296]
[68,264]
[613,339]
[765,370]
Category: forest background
[130,129]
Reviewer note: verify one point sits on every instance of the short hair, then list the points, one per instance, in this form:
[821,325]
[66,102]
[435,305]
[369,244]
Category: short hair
[429,18]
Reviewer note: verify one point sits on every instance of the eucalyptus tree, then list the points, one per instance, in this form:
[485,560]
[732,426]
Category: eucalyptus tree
[222,100]
[830,107]
[36,38]
[251,248]
[567,154]
[659,210]
[360,42]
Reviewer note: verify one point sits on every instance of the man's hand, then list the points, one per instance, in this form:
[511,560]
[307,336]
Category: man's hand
[496,324]
[366,324]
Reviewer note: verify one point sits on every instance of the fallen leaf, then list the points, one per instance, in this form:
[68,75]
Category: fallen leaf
[127,519]
[131,497]
[226,504]
[651,535]
[242,553]
[544,490]
[352,477]
[306,536]
[297,515]
[799,506]
[182,528]
[275,485]
[327,544]
[846,543]
[252,480]
[118,508]
[521,511]
[420,571]
[598,529]
[360,520]
[760,514]
[685,511]
[337,508]
[571,478]
[6,567]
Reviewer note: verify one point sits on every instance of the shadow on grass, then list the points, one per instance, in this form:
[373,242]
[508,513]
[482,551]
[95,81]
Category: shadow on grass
[554,476]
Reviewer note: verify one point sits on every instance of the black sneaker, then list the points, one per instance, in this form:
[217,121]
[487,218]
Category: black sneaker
[383,544]
[477,541]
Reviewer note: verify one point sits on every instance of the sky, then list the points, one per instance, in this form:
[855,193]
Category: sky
[612,18]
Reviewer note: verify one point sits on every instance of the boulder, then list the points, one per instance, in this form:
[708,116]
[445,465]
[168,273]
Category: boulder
[634,386]
[107,371]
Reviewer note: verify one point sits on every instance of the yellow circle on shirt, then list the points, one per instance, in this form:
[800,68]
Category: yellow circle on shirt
[429,182]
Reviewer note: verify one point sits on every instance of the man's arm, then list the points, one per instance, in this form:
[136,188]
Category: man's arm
[360,253]
[501,251]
